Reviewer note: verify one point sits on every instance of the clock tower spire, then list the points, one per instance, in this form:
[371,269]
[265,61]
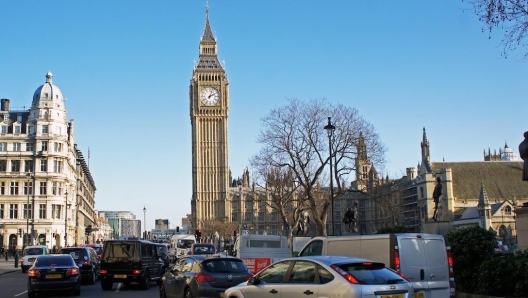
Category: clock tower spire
[209,108]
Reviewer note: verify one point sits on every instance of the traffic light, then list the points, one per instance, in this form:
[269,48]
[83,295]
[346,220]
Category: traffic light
[88,230]
[177,229]
[198,235]
[20,232]
[235,233]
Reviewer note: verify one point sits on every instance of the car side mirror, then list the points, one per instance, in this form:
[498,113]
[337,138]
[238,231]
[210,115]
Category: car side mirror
[254,281]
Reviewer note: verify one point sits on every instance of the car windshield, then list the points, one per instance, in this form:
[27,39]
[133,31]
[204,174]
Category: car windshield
[224,265]
[372,273]
[33,251]
[125,249]
[77,254]
[47,261]
[185,243]
[203,249]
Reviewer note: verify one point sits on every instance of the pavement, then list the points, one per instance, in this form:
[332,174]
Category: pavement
[8,266]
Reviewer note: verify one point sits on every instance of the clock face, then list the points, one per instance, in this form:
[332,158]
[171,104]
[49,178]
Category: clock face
[210,96]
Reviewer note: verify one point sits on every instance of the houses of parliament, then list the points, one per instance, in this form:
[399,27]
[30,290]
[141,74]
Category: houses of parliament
[481,193]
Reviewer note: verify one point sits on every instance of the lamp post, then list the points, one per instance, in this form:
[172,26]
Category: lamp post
[145,222]
[330,131]
[66,218]
[26,240]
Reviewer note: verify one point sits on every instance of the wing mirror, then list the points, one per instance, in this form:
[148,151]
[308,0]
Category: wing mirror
[254,281]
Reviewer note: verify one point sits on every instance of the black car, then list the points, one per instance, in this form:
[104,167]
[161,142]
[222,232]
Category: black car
[202,276]
[87,261]
[163,252]
[54,273]
[130,261]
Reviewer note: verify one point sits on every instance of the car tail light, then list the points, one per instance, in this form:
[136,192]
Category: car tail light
[72,272]
[201,278]
[137,271]
[397,261]
[33,272]
[247,277]
[450,263]
[103,271]
[345,274]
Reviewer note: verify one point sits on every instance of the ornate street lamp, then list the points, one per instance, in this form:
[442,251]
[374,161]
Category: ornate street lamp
[330,131]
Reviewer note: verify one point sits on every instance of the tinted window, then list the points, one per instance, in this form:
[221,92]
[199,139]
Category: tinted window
[98,250]
[302,272]
[224,265]
[120,250]
[76,254]
[372,273]
[33,251]
[313,249]
[274,273]
[203,250]
[162,249]
[54,261]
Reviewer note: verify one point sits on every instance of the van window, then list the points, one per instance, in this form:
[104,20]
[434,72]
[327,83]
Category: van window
[119,250]
[264,243]
[315,248]
[33,251]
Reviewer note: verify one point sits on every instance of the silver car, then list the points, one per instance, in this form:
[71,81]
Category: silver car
[324,276]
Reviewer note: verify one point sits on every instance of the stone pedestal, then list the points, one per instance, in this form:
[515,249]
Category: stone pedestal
[521,223]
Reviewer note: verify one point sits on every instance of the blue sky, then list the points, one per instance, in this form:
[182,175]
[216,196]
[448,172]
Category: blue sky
[125,68]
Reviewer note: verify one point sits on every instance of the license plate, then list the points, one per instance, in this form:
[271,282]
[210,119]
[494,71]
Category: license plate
[419,295]
[392,296]
[120,275]
[50,276]
[183,251]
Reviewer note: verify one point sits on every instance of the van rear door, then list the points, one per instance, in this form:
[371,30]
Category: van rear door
[424,261]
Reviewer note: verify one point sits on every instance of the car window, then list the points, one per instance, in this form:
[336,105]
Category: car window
[324,275]
[372,273]
[179,264]
[54,261]
[203,250]
[303,272]
[76,254]
[188,265]
[274,273]
[34,251]
[185,243]
[119,250]
[313,249]
[224,265]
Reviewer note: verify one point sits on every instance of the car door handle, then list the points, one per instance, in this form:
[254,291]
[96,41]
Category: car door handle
[273,291]
[308,292]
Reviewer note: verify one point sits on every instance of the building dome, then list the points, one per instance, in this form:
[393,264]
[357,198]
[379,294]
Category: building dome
[48,91]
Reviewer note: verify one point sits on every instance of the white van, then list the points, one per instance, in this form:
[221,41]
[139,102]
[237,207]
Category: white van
[181,245]
[259,251]
[30,253]
[423,258]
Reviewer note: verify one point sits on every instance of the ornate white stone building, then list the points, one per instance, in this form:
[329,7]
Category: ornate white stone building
[47,193]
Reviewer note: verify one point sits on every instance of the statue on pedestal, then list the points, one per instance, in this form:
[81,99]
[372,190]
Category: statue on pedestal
[350,218]
[523,152]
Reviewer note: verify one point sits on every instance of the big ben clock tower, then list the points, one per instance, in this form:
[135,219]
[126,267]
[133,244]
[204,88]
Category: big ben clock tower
[209,107]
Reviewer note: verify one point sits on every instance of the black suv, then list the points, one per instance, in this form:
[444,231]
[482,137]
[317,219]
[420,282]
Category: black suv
[130,261]
[87,261]
[163,252]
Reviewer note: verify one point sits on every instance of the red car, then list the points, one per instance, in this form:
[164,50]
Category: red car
[98,247]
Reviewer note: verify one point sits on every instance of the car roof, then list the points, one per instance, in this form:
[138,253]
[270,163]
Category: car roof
[328,260]
[203,244]
[36,246]
[208,257]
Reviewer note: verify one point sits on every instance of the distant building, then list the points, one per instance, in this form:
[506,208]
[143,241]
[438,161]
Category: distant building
[161,224]
[123,223]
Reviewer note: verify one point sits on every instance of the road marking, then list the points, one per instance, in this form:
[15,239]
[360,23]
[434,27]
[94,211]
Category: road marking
[118,286]
[20,294]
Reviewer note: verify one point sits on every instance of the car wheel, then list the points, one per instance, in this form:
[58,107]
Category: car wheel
[188,293]
[93,278]
[77,292]
[162,291]
[106,285]
[144,283]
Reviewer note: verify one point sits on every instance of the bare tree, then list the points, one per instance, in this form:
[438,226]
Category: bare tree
[280,192]
[293,137]
[508,15]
